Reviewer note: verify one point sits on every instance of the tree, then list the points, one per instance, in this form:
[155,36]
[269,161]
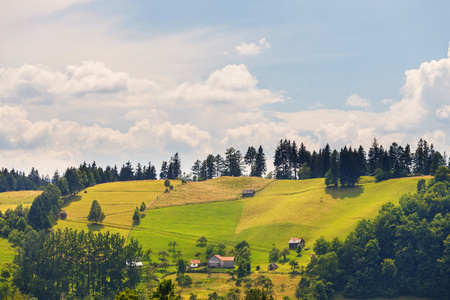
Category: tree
[63,186]
[274,254]
[164,169]
[196,168]
[202,240]
[143,207]
[183,280]
[127,295]
[232,163]
[165,290]
[95,214]
[167,182]
[294,265]
[136,217]
[181,264]
[304,172]
[285,252]
[332,175]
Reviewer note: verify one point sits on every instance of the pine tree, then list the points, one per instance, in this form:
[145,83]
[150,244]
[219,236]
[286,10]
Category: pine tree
[95,214]
[332,175]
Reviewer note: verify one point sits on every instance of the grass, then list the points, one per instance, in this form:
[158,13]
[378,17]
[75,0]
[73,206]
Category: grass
[281,210]
[118,201]
[9,200]
[214,209]
[215,190]
[6,252]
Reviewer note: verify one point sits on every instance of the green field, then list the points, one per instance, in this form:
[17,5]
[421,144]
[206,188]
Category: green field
[6,252]
[9,200]
[282,210]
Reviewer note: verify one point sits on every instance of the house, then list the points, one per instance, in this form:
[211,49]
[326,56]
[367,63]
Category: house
[137,264]
[248,193]
[195,263]
[295,242]
[218,261]
[272,266]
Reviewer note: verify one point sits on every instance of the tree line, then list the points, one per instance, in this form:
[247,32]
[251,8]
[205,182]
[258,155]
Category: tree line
[17,181]
[405,250]
[76,264]
[231,164]
[346,165]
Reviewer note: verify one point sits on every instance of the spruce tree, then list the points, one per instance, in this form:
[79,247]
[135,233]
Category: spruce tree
[95,214]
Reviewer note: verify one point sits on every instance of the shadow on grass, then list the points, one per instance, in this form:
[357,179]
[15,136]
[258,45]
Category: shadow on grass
[344,192]
[70,199]
[95,227]
[201,245]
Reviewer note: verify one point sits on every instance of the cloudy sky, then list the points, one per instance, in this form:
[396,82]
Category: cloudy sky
[116,80]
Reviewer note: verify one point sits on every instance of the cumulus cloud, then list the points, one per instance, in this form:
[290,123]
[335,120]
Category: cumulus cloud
[356,101]
[232,84]
[425,94]
[91,77]
[252,48]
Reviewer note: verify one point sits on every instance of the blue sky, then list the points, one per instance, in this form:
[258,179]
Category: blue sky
[112,81]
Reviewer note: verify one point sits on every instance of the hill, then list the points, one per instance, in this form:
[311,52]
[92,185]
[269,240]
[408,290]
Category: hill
[214,209]
[118,201]
[9,200]
[282,210]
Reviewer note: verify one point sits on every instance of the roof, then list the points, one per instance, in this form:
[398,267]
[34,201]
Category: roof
[223,258]
[134,264]
[248,191]
[196,261]
[295,241]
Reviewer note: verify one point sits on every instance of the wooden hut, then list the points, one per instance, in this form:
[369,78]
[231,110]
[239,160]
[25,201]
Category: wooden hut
[295,242]
[248,193]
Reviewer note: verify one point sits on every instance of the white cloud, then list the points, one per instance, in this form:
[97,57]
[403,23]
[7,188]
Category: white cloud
[356,101]
[252,48]
[443,112]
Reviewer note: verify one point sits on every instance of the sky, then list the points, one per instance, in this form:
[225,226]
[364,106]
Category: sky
[116,81]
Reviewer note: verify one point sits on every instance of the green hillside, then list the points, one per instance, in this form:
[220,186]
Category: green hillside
[9,200]
[118,201]
[282,210]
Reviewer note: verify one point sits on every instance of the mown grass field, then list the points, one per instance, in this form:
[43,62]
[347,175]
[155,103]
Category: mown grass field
[9,200]
[118,201]
[216,190]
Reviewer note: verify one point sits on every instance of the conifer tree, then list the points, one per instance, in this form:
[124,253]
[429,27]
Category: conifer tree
[95,214]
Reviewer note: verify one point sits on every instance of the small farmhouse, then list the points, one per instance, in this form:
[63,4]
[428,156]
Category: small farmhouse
[137,264]
[218,261]
[248,193]
[195,263]
[272,266]
[295,242]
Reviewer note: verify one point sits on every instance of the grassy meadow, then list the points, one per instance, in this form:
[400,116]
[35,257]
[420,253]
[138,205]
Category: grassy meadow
[6,252]
[282,210]
[118,201]
[9,200]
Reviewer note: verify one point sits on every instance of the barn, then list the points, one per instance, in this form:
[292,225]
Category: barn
[295,242]
[248,193]
[218,261]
